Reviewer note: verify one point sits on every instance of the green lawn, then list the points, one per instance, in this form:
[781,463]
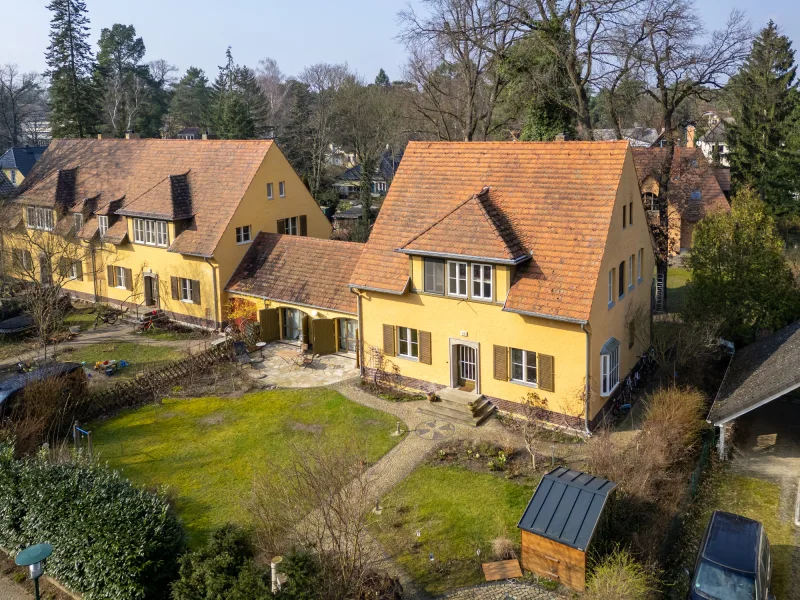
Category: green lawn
[137,355]
[676,288]
[206,450]
[456,511]
[83,317]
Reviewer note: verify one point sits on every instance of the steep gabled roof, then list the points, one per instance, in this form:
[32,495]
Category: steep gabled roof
[298,270]
[167,179]
[694,189]
[557,197]
[476,228]
[21,158]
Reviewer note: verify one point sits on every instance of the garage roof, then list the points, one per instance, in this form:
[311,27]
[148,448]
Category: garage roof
[566,507]
[757,374]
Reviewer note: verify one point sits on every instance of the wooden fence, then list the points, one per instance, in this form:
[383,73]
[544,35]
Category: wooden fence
[150,385]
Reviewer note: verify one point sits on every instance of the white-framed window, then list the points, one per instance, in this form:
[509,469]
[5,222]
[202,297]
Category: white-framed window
[149,232]
[186,290]
[611,277]
[650,201]
[630,271]
[22,260]
[482,281]
[457,273]
[243,234]
[282,189]
[433,275]
[609,367]
[119,276]
[408,345]
[291,226]
[40,218]
[102,225]
[74,269]
[269,191]
[523,366]
[78,221]
[639,259]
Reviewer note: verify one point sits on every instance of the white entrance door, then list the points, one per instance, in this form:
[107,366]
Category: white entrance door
[467,359]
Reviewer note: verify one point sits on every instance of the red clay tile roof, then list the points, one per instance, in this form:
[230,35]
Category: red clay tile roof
[723,175]
[475,225]
[557,198]
[691,173]
[299,270]
[217,174]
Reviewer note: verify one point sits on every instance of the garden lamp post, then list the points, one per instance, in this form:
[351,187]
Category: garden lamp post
[33,557]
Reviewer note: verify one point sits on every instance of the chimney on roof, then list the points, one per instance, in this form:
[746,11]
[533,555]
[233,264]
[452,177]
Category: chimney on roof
[690,133]
[181,196]
[205,135]
[561,137]
[99,136]
[130,135]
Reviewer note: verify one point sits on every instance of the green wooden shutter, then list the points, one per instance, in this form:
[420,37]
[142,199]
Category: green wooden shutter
[388,340]
[324,336]
[111,278]
[501,363]
[425,347]
[128,280]
[546,376]
[173,282]
[270,326]
[195,291]
[281,226]
[303,225]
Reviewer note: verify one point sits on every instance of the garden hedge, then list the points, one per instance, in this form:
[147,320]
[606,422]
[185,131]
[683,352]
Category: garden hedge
[110,539]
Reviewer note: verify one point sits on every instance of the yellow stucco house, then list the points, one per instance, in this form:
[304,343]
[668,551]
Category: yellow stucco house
[497,269]
[17,162]
[160,224]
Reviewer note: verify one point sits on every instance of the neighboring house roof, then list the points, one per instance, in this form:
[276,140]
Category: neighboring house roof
[21,158]
[566,507]
[718,134]
[353,213]
[637,136]
[757,374]
[6,187]
[556,197]
[723,175]
[387,167]
[298,270]
[694,189]
[155,178]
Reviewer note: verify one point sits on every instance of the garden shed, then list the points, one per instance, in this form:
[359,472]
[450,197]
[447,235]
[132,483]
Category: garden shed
[560,522]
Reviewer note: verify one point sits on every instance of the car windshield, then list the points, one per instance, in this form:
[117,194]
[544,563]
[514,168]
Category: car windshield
[719,583]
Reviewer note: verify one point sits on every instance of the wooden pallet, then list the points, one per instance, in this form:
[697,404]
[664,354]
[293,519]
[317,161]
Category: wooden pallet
[503,569]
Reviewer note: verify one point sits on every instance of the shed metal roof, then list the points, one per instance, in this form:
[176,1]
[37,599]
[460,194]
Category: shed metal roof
[566,507]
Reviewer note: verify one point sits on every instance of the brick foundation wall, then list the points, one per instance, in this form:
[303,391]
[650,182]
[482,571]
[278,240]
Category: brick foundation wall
[173,316]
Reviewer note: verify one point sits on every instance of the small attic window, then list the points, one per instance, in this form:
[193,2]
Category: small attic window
[696,196]
[78,221]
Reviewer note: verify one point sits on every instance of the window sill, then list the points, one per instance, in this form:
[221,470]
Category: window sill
[631,288]
[640,280]
[611,305]
[410,358]
[610,392]
[525,383]
[489,300]
[188,301]
[243,243]
[621,297]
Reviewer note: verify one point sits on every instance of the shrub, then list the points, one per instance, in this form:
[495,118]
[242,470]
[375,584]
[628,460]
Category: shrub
[110,540]
[619,576]
[503,548]
[222,569]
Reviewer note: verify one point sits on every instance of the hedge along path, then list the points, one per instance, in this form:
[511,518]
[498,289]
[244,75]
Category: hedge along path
[150,384]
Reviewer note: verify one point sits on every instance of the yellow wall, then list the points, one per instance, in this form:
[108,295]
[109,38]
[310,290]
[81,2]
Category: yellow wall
[19,176]
[605,322]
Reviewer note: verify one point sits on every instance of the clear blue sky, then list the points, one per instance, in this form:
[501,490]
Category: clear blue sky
[294,32]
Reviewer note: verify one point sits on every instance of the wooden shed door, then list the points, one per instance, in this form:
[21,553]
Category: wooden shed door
[270,328]
[323,332]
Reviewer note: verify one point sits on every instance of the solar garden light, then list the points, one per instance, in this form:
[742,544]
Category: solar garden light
[33,557]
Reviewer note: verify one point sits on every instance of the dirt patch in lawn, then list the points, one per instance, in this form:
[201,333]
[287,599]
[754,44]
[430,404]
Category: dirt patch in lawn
[309,427]
[217,419]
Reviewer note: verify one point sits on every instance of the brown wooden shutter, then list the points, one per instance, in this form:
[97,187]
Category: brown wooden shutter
[281,226]
[173,281]
[303,225]
[128,280]
[546,374]
[501,363]
[270,326]
[304,337]
[110,274]
[79,270]
[388,341]
[195,291]
[324,336]
[425,347]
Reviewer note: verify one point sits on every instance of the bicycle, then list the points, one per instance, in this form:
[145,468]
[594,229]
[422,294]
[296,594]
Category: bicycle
[108,316]
[143,326]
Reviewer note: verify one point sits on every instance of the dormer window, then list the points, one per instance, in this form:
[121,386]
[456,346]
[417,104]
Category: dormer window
[40,218]
[102,224]
[150,232]
[482,282]
[78,221]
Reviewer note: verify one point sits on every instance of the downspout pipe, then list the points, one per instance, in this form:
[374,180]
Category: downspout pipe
[587,392]
[216,292]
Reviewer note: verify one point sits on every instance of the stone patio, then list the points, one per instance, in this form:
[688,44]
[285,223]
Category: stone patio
[279,367]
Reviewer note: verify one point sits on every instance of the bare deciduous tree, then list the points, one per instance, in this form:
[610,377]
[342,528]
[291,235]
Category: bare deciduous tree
[21,101]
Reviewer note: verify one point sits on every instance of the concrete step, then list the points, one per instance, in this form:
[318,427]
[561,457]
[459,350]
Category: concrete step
[454,406]
[458,396]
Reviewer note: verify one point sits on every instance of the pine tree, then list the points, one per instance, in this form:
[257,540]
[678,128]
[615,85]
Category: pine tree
[190,100]
[239,109]
[382,79]
[763,141]
[74,96]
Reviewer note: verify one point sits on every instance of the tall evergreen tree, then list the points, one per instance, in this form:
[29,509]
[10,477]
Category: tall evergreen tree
[73,94]
[238,108]
[382,79]
[763,143]
[191,100]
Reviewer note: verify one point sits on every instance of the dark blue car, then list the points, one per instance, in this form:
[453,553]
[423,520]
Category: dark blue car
[734,562]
